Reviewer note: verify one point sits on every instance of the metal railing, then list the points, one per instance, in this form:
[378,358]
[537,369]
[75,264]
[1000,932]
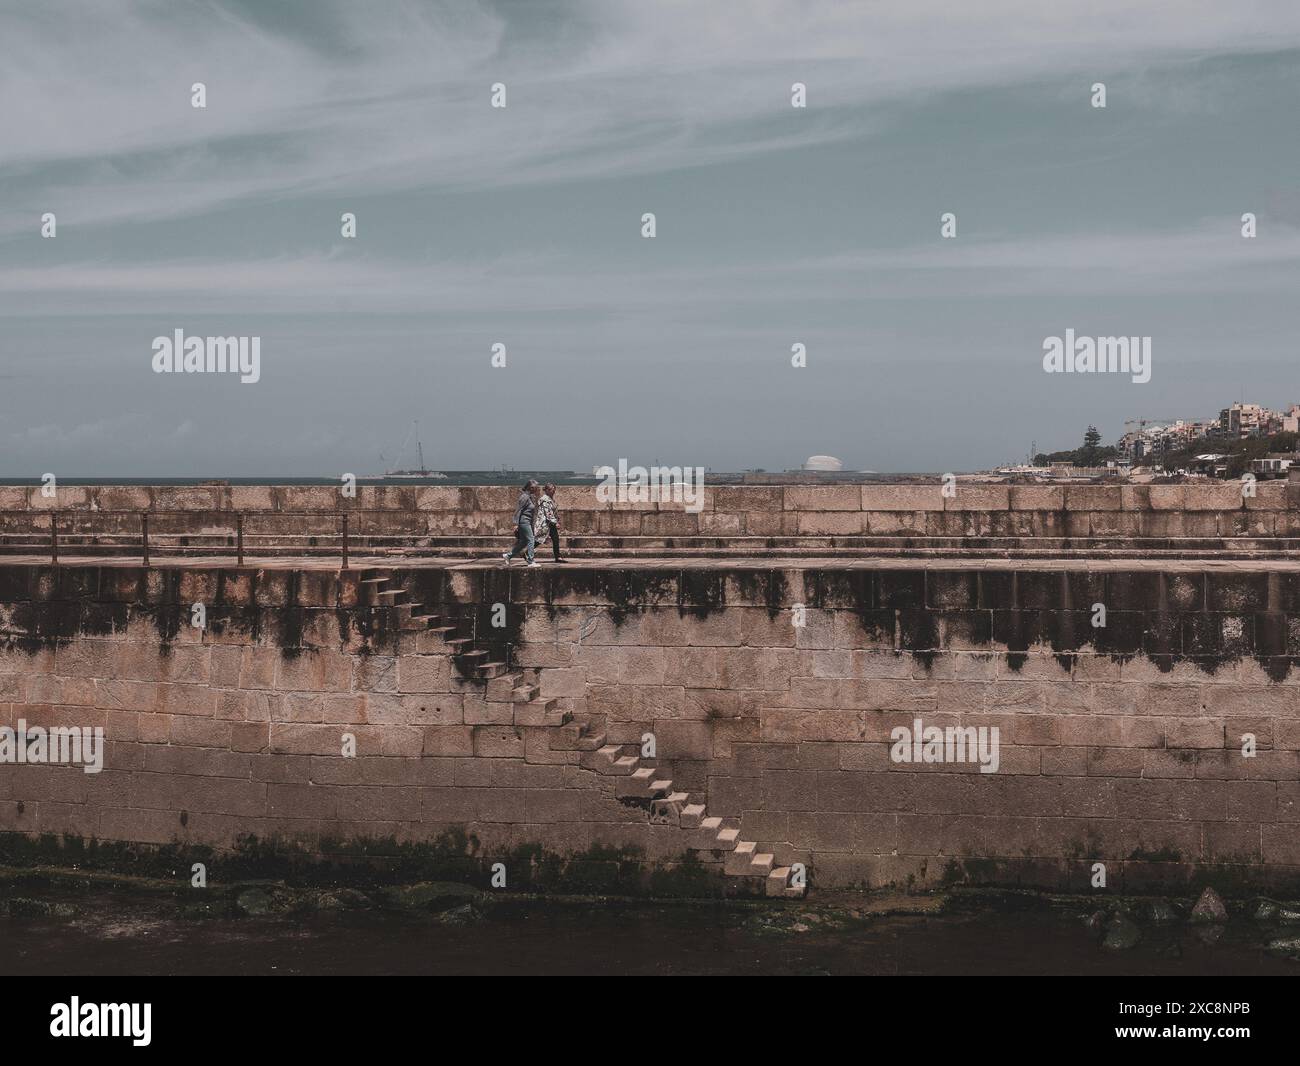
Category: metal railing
[66,533]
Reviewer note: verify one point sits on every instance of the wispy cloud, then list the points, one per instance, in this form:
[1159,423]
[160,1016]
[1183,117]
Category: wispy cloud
[1210,256]
[331,95]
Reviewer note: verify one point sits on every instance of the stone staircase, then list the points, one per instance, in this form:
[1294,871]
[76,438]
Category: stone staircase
[634,780]
[640,781]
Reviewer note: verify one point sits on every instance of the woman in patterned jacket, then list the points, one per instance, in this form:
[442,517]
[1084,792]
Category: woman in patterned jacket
[547,522]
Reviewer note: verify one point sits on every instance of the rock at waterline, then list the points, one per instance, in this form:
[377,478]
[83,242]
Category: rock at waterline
[1121,934]
[342,899]
[22,907]
[255,902]
[462,915]
[1266,911]
[1163,913]
[1286,946]
[435,895]
[1209,908]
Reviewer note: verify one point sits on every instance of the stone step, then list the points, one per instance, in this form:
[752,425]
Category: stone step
[591,741]
[573,736]
[667,810]
[692,815]
[778,879]
[636,784]
[662,787]
[525,693]
[603,760]
[762,864]
[740,857]
[726,838]
[499,685]
[626,764]
[707,834]
[535,714]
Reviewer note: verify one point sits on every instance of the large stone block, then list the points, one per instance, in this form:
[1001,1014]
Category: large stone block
[902,498]
[1093,497]
[13,498]
[1217,496]
[424,673]
[1037,497]
[822,498]
[971,497]
[746,499]
[830,523]
[669,524]
[498,742]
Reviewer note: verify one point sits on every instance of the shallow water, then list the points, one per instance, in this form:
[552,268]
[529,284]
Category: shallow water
[608,938]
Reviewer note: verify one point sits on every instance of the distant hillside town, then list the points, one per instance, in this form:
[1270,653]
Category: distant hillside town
[1245,438]
[1155,438]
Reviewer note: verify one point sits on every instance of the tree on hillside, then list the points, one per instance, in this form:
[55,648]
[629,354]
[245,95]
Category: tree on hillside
[1090,453]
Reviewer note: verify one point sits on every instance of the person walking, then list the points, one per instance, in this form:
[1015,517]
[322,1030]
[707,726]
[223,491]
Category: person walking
[550,520]
[525,516]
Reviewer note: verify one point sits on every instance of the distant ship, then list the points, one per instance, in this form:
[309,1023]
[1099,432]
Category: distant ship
[420,472]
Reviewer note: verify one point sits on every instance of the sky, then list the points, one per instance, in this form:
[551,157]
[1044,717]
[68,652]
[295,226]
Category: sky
[522,226]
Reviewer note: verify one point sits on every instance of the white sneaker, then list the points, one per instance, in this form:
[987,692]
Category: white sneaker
[534,566]
[505,558]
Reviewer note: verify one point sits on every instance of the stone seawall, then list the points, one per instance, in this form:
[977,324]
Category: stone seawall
[1205,510]
[771,694]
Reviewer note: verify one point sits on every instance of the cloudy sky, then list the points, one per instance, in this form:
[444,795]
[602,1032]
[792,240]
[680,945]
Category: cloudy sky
[775,225]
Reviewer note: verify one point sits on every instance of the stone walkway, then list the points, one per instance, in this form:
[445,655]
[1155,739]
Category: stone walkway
[407,562]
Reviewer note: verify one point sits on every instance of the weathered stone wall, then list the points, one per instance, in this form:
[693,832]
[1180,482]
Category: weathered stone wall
[1120,744]
[1207,510]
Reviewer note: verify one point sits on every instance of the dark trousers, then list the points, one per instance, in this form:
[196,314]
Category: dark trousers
[555,539]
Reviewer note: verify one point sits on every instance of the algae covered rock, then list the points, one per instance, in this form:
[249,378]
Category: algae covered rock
[255,902]
[342,899]
[1286,946]
[1122,934]
[1209,908]
[1163,912]
[434,895]
[24,907]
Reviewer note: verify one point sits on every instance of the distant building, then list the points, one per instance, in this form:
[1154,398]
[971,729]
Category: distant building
[1271,465]
[827,464]
[1212,464]
[1243,420]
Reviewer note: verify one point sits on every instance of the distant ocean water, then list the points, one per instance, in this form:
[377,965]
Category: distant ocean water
[482,477]
[451,477]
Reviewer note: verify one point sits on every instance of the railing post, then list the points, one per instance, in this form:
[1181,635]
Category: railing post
[54,538]
[144,536]
[345,540]
[239,539]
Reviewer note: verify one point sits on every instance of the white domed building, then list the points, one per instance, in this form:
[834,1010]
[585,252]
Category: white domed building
[826,464]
